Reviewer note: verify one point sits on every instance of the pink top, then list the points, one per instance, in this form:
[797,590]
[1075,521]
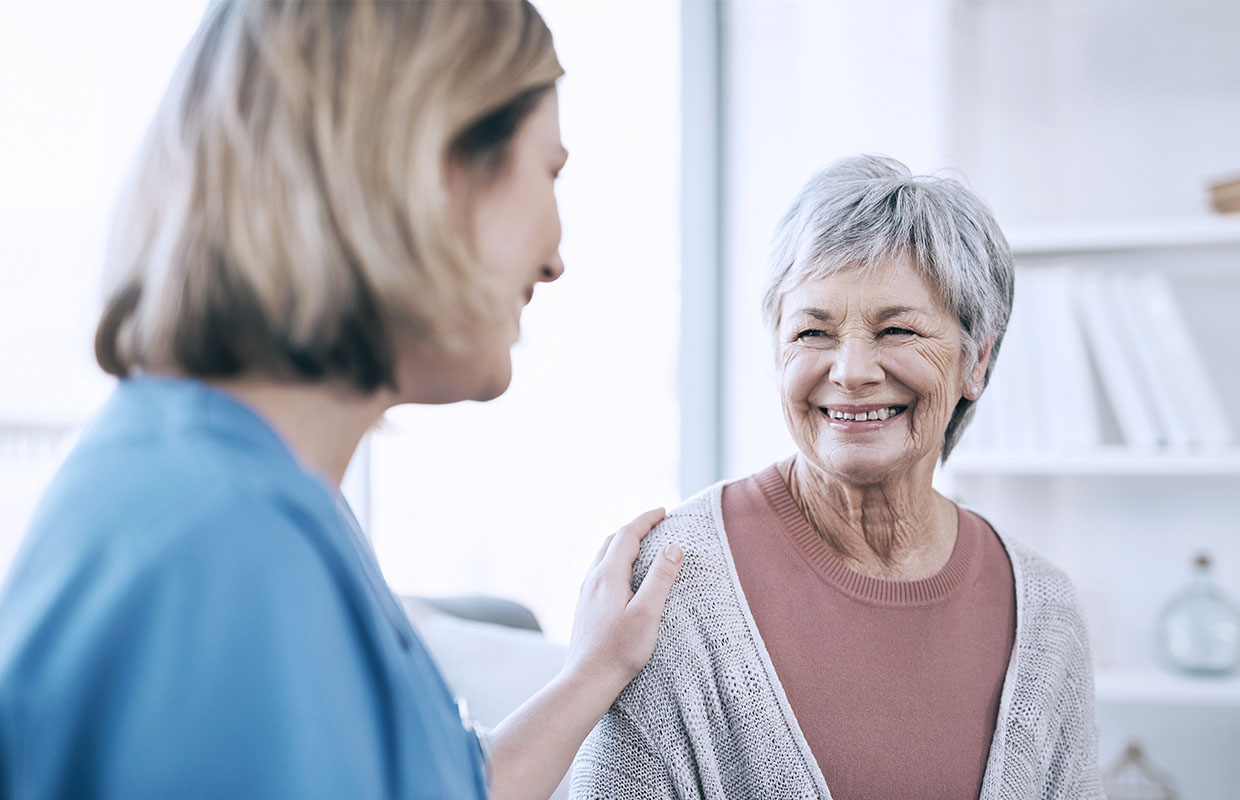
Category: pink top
[895,684]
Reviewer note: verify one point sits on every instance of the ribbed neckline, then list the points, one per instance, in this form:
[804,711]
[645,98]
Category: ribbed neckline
[834,572]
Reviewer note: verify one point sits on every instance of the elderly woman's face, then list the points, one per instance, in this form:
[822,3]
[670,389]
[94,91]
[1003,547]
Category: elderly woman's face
[871,367]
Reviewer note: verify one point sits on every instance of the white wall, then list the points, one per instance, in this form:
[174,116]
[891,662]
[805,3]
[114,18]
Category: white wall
[1098,110]
[78,82]
[808,82]
[513,497]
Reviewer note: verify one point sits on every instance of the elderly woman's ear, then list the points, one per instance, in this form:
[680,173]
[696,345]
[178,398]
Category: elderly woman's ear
[975,379]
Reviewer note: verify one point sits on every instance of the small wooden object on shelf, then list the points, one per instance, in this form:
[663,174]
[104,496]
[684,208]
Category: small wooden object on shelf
[1225,195]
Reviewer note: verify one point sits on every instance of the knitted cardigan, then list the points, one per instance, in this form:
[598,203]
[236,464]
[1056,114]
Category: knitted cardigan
[708,718]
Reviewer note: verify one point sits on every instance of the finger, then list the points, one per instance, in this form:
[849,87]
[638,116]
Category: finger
[628,539]
[638,527]
[602,551]
[652,594]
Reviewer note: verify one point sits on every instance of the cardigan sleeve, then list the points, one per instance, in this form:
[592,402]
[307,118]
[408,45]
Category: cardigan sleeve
[619,759]
[1074,756]
[618,762]
[1085,778]
[1057,688]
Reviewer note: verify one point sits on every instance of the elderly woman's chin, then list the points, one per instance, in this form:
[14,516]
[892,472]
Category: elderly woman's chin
[889,453]
[862,464]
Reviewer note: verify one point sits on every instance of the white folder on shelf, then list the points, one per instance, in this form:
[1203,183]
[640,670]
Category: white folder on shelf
[1116,365]
[1139,332]
[1180,364]
[1066,385]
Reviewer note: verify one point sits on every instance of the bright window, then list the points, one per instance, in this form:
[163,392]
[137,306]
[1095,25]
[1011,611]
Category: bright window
[513,497]
[79,81]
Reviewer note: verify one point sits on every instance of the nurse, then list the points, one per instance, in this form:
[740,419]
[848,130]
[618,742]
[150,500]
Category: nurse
[339,208]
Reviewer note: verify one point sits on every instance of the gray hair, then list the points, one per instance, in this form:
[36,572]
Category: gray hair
[863,210]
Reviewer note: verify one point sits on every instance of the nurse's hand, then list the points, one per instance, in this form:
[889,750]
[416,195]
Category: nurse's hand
[615,629]
[614,633]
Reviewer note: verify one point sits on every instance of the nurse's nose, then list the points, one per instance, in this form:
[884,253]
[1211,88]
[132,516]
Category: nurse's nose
[552,270]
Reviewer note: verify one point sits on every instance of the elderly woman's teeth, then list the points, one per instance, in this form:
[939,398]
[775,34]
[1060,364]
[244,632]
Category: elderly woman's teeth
[881,413]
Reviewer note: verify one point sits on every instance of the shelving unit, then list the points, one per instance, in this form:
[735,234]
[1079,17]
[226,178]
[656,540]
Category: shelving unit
[1114,461]
[1160,688]
[1093,129]
[1123,236]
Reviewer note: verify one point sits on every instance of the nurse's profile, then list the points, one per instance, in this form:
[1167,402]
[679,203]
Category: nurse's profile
[338,208]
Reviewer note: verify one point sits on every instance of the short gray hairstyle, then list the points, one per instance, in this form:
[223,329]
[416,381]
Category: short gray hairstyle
[864,210]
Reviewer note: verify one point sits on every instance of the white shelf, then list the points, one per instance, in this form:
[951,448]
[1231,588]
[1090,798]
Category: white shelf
[1155,234]
[38,426]
[1101,462]
[1149,686]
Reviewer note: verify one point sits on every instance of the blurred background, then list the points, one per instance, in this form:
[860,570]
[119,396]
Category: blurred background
[1095,129]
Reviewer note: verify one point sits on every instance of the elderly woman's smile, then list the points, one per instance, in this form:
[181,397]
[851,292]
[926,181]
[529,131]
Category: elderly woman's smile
[857,416]
[871,367]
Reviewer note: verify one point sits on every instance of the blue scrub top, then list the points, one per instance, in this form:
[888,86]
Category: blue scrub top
[191,615]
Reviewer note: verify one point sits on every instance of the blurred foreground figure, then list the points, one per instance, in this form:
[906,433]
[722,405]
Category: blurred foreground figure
[339,207]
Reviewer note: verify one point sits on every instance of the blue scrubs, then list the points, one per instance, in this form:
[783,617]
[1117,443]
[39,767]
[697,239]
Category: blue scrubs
[192,615]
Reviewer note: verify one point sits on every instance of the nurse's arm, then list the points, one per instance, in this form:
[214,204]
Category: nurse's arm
[614,633]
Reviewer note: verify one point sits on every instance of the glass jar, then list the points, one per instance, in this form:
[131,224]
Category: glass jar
[1199,628]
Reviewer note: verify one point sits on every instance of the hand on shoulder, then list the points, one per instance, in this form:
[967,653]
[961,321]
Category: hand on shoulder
[615,628]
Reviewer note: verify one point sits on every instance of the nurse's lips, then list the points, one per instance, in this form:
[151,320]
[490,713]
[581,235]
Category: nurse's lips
[521,304]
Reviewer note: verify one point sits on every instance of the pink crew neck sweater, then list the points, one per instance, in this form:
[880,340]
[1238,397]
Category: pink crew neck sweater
[896,685]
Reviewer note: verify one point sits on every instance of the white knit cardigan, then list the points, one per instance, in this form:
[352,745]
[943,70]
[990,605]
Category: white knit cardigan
[707,718]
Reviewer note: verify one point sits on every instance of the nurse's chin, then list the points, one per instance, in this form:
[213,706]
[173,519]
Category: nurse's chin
[495,383]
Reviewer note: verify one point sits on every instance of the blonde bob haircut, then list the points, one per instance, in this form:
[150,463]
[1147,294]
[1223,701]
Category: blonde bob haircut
[287,214]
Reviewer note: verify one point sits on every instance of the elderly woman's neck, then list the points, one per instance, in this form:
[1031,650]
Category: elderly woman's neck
[899,530]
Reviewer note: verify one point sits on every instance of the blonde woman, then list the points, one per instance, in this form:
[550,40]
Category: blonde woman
[338,208]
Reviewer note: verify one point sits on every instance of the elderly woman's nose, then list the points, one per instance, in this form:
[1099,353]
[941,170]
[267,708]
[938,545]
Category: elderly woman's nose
[553,269]
[856,365]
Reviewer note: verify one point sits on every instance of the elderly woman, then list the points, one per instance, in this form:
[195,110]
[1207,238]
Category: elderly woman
[339,207]
[838,623]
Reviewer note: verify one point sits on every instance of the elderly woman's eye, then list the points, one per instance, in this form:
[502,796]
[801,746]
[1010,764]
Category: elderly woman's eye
[810,334]
[897,332]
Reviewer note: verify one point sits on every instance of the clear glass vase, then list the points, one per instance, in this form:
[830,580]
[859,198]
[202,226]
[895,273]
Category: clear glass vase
[1199,628]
